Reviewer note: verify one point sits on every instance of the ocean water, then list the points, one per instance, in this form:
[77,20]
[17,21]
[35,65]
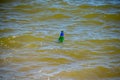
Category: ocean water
[29,30]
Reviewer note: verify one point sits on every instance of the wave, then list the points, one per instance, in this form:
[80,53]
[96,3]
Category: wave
[111,17]
[53,17]
[6,30]
[98,73]
[17,41]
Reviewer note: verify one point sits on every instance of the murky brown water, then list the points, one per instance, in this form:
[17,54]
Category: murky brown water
[29,30]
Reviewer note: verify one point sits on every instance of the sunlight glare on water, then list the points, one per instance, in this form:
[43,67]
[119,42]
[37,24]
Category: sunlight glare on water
[29,30]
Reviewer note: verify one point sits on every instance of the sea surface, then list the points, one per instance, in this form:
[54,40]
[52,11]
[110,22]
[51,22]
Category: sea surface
[29,30]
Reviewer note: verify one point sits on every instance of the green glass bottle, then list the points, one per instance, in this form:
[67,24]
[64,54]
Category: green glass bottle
[61,38]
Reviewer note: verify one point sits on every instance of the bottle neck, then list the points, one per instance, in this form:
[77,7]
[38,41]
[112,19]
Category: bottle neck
[61,34]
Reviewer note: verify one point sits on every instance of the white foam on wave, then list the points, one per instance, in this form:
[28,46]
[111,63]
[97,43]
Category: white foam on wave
[92,2]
